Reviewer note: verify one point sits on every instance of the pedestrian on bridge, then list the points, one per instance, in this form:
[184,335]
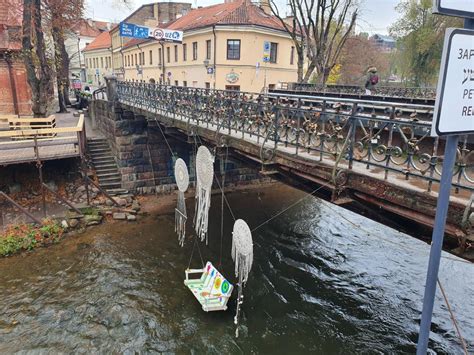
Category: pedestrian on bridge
[372,80]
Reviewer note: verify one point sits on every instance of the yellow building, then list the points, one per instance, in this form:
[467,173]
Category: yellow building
[223,48]
[98,59]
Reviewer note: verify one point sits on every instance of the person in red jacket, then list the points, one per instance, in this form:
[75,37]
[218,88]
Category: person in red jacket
[372,80]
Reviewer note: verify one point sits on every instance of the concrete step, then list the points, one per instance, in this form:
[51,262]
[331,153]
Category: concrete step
[101,155]
[101,166]
[100,171]
[96,139]
[106,175]
[118,191]
[111,186]
[103,159]
[110,179]
[98,150]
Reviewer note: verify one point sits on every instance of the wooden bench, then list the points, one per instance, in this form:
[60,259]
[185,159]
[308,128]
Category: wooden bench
[26,124]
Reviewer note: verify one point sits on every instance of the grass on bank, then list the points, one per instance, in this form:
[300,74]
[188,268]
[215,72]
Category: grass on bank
[19,237]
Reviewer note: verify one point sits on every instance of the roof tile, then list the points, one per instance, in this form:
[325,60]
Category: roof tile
[102,41]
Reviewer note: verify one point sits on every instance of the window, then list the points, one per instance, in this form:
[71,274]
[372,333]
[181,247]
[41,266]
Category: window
[185,83]
[232,87]
[175,53]
[233,49]
[195,84]
[195,50]
[208,49]
[185,52]
[159,56]
[208,85]
[90,63]
[273,52]
[101,62]
[136,60]
[292,56]
[176,83]
[151,57]
[168,54]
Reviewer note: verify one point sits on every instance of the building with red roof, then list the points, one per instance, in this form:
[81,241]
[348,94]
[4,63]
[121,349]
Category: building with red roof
[98,59]
[236,45]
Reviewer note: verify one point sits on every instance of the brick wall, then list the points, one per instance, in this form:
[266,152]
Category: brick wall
[23,91]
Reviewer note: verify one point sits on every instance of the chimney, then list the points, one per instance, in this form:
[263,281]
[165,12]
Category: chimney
[265,6]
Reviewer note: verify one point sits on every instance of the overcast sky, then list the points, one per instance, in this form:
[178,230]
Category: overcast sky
[375,16]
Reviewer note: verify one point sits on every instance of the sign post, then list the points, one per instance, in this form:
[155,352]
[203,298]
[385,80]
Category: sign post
[454,115]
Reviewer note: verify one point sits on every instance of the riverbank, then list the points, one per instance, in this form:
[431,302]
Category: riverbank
[23,238]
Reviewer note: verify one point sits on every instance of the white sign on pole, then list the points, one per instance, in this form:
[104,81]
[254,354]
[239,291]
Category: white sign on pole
[163,34]
[454,108]
[459,8]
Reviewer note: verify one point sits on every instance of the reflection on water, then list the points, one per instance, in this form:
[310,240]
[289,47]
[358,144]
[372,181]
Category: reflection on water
[318,285]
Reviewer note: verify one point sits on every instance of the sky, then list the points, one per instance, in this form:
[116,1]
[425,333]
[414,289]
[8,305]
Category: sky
[375,15]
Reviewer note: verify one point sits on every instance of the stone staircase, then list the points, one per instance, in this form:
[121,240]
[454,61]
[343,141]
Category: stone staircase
[105,165]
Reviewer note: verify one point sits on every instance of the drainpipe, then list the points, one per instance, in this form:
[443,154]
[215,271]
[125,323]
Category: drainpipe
[215,46]
[140,57]
[12,85]
[163,68]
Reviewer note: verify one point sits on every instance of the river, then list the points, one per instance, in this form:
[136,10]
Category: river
[324,281]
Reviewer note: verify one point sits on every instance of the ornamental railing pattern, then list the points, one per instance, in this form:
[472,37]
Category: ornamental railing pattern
[344,133]
[407,92]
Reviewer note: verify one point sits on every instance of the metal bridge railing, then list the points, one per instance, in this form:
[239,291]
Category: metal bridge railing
[408,92]
[381,141]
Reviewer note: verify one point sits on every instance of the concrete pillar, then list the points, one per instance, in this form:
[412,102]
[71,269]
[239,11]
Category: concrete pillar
[111,81]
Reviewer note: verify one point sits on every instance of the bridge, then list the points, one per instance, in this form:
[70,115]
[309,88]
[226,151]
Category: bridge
[361,154]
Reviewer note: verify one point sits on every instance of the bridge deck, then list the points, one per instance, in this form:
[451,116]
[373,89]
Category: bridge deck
[414,183]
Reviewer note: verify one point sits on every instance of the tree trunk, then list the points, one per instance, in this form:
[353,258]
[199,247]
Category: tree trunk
[61,67]
[300,63]
[38,70]
[309,72]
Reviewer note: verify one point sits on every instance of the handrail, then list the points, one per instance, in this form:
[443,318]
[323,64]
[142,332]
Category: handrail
[32,132]
[22,209]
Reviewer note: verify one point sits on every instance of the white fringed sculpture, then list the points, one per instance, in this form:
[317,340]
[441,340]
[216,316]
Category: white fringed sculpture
[181,176]
[204,177]
[242,254]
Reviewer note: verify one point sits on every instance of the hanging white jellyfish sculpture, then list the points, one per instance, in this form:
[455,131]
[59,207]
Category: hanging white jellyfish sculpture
[242,254]
[204,177]
[182,180]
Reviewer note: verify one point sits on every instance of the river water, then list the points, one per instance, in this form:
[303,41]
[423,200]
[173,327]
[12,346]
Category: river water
[319,284]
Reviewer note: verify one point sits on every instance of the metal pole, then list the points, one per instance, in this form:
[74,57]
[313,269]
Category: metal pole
[39,165]
[442,206]
[437,242]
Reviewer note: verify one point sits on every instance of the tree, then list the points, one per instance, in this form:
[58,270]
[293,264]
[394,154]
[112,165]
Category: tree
[323,27]
[61,15]
[420,35]
[358,54]
[38,66]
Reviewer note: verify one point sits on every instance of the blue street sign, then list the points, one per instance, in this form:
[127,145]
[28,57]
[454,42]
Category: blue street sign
[131,30]
[127,29]
[141,32]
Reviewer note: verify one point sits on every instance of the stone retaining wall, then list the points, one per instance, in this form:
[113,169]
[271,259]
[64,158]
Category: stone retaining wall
[143,156]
